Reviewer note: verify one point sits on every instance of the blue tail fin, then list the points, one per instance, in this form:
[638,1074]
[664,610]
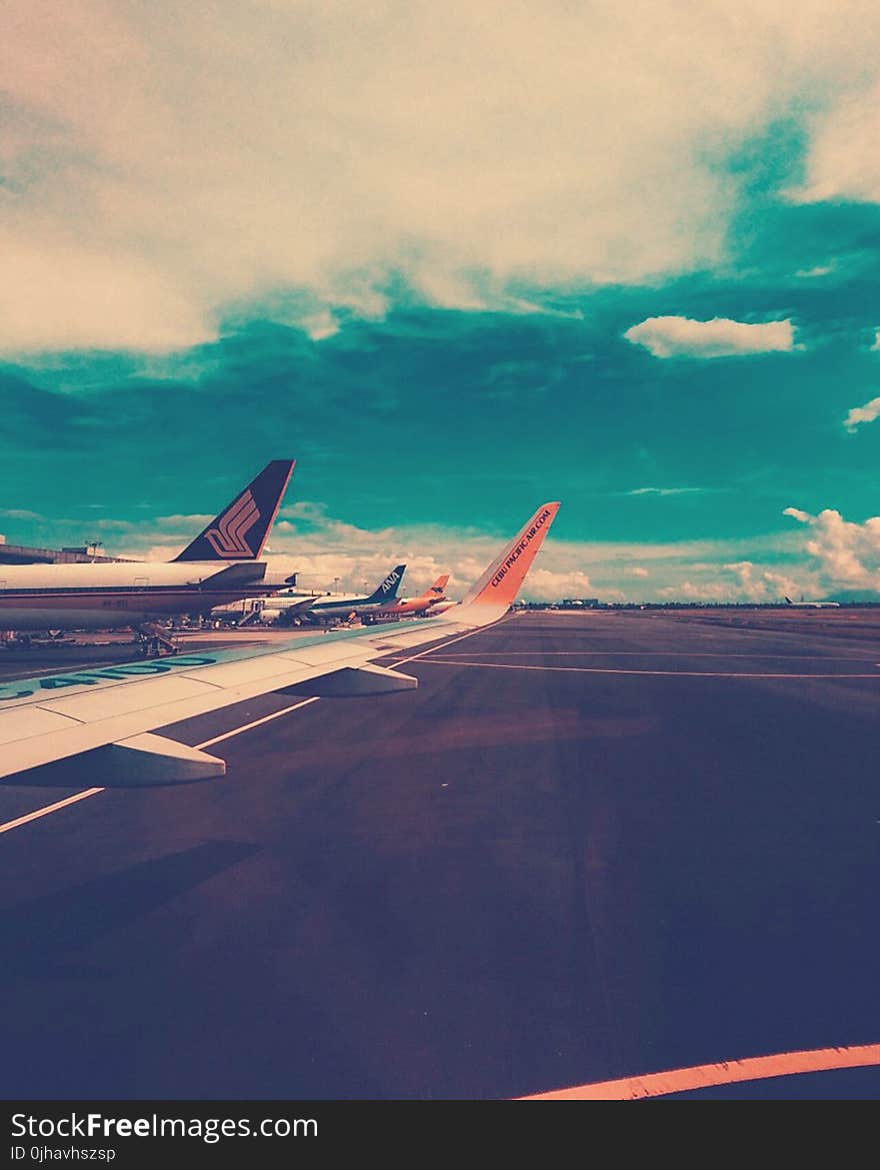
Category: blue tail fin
[387,591]
[239,532]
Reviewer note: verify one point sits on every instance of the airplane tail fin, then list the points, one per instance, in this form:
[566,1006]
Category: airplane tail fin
[387,591]
[436,590]
[788,601]
[496,590]
[239,532]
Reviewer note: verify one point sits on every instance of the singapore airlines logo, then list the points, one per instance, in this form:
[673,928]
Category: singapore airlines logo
[228,538]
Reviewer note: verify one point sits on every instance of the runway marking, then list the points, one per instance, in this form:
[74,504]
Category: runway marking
[255,723]
[703,1076]
[451,642]
[658,654]
[42,812]
[614,670]
[50,808]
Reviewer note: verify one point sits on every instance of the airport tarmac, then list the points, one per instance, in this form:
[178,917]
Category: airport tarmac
[588,846]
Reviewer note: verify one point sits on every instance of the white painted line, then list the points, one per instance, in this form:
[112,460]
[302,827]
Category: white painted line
[659,654]
[255,723]
[50,808]
[451,642]
[42,812]
[612,670]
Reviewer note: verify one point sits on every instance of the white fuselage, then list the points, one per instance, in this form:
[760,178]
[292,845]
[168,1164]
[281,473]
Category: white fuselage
[110,595]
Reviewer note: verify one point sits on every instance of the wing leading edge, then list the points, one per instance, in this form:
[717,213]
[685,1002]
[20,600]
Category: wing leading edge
[105,717]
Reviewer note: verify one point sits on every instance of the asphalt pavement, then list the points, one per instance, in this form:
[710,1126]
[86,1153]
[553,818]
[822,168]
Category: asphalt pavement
[588,846]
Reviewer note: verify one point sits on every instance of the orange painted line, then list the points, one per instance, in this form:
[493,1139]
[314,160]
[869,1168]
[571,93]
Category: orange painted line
[702,1076]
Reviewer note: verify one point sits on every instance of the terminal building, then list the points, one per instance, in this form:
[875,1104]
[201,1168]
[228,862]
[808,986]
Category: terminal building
[22,554]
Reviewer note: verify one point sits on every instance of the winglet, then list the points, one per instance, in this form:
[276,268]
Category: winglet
[499,585]
[239,532]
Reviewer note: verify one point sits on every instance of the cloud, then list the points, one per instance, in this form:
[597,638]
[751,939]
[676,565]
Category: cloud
[161,163]
[797,514]
[862,414]
[20,514]
[876,345]
[657,491]
[668,337]
[321,548]
[839,163]
[759,583]
[847,553]
[740,581]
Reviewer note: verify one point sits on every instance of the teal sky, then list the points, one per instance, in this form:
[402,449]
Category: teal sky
[652,294]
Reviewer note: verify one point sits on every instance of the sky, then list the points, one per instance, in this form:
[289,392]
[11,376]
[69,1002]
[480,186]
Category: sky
[456,260]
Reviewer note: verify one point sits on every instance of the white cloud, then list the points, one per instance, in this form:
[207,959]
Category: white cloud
[668,337]
[841,163]
[798,514]
[848,554]
[163,161]
[657,491]
[862,414]
[834,554]
[19,514]
[320,326]
[320,548]
[876,345]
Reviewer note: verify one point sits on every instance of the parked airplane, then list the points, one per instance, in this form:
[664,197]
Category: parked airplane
[221,565]
[332,608]
[289,607]
[812,604]
[107,717]
[409,606]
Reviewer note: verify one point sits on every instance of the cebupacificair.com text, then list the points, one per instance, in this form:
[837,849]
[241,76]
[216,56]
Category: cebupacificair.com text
[210,1129]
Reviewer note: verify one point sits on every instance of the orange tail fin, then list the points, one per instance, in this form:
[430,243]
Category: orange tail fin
[436,590]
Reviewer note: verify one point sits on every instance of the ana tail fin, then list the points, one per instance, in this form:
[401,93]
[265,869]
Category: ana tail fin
[239,532]
[387,591]
[496,590]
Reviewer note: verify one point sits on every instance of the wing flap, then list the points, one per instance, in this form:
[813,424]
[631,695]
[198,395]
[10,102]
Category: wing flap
[31,721]
[143,761]
[136,696]
[152,759]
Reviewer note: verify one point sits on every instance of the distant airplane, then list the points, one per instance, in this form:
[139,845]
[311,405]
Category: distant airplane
[108,717]
[220,566]
[812,604]
[409,606]
[343,608]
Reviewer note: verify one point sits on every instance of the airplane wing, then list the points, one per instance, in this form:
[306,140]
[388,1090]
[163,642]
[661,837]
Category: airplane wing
[107,718]
[295,605]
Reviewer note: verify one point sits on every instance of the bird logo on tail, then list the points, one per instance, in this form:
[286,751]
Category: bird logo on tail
[227,539]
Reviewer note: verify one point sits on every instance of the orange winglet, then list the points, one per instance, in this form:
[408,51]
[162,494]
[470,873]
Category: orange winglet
[501,582]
